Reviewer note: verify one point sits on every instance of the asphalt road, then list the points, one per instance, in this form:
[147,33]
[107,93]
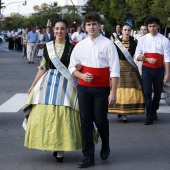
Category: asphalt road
[134,146]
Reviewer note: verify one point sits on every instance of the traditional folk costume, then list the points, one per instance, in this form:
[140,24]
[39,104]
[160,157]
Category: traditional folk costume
[100,58]
[157,47]
[54,119]
[130,97]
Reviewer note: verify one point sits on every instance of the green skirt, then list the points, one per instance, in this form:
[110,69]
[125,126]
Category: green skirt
[53,128]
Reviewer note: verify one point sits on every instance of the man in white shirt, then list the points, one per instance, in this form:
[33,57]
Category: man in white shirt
[100,65]
[77,36]
[154,50]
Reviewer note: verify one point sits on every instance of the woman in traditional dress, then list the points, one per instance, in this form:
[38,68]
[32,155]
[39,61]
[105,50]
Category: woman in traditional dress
[52,107]
[130,97]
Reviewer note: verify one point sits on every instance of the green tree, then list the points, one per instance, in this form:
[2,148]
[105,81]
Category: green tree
[117,11]
[161,9]
[139,10]
[88,7]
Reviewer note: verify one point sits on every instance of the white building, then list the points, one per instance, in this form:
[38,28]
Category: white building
[65,4]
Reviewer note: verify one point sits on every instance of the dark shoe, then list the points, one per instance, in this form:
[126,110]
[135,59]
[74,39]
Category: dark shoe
[55,154]
[29,62]
[59,159]
[32,62]
[148,122]
[86,163]
[155,117]
[124,121]
[119,116]
[105,152]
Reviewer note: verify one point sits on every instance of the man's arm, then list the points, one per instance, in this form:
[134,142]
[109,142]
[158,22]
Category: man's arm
[167,74]
[87,77]
[113,91]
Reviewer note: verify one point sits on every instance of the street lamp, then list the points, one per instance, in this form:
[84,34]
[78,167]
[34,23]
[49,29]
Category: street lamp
[1,13]
[73,8]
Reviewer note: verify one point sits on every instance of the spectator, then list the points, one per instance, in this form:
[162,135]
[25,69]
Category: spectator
[32,40]
[117,34]
[104,32]
[24,43]
[77,36]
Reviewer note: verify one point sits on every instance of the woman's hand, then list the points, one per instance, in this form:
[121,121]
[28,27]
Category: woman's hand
[141,57]
[151,60]
[30,89]
[87,77]
[78,67]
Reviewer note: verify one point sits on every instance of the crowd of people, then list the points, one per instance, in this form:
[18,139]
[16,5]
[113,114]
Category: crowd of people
[83,76]
[31,41]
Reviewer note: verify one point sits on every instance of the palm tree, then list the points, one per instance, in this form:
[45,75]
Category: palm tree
[36,8]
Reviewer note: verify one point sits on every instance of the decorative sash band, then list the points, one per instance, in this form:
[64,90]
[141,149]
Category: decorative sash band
[158,57]
[101,77]
[54,59]
[126,53]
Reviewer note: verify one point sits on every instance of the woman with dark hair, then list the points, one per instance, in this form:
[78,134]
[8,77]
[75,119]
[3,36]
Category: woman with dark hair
[52,106]
[130,98]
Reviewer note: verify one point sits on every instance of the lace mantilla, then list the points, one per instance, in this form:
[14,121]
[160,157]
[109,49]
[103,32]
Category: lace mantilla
[59,48]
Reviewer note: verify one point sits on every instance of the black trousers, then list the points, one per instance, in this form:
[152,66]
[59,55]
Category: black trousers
[93,103]
[19,44]
[11,44]
[152,80]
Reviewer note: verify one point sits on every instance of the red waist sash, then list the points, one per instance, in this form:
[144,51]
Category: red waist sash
[158,57]
[101,77]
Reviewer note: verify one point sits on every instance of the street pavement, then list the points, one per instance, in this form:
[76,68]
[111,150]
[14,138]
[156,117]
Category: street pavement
[134,146]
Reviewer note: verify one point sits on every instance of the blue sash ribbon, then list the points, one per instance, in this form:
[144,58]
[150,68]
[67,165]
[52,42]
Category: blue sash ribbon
[126,54]
[63,70]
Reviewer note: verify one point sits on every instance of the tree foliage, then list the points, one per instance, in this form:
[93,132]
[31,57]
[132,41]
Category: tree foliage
[42,13]
[117,11]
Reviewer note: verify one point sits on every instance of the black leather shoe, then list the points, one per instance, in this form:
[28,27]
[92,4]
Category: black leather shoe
[86,163]
[59,159]
[105,152]
[148,122]
[119,116]
[55,154]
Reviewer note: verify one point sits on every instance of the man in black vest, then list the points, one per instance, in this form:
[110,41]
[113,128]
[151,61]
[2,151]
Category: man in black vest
[104,32]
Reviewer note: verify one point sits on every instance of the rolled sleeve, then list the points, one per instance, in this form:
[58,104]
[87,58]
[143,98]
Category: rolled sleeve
[74,60]
[167,52]
[114,63]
